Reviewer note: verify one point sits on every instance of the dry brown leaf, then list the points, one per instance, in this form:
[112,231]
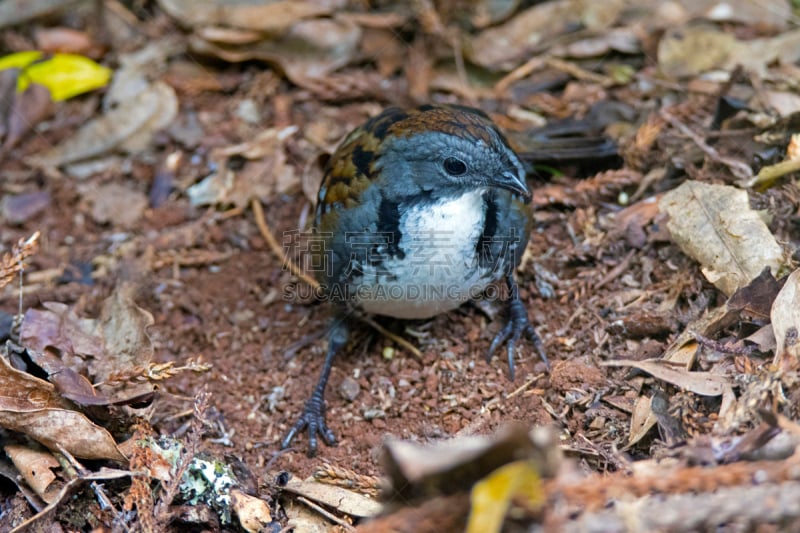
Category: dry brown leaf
[418,472]
[266,173]
[309,51]
[503,47]
[67,381]
[105,474]
[702,383]
[715,225]
[12,14]
[57,326]
[127,344]
[116,204]
[785,317]
[35,467]
[642,420]
[26,110]
[17,208]
[66,40]
[31,406]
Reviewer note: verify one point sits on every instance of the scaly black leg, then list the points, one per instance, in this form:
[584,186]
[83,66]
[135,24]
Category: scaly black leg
[517,325]
[313,417]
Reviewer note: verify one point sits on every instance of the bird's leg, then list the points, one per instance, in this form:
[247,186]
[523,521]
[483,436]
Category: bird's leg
[517,326]
[313,417]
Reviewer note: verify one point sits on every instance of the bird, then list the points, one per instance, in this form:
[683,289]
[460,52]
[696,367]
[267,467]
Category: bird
[419,211]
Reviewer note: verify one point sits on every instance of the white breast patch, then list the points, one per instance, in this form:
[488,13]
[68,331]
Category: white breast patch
[439,270]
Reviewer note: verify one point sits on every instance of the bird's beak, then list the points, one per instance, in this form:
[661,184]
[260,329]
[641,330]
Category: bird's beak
[512,181]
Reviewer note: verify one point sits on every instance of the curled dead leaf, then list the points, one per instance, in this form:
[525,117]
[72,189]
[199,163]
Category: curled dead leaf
[785,317]
[31,406]
[715,225]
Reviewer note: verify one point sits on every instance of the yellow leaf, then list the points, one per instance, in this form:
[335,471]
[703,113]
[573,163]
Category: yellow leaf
[19,60]
[68,75]
[492,496]
[64,75]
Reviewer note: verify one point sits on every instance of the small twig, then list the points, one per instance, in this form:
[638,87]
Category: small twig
[617,270]
[739,169]
[392,337]
[333,518]
[82,473]
[577,72]
[771,173]
[276,248]
[527,68]
[524,386]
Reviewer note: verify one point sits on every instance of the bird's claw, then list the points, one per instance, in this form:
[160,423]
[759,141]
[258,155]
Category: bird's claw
[517,326]
[313,420]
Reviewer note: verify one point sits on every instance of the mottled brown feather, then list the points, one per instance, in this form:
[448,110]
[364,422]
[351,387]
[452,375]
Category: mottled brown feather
[350,169]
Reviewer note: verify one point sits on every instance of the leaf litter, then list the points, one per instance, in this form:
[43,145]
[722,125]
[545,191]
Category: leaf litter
[662,270]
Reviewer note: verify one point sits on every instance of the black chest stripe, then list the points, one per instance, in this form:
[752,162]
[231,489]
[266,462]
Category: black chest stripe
[389,227]
[484,247]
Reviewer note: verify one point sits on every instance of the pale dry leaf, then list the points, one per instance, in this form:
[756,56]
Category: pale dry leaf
[36,466]
[785,317]
[270,16]
[16,13]
[253,513]
[164,114]
[763,338]
[785,103]
[715,225]
[301,518]
[266,173]
[31,406]
[490,12]
[682,355]
[138,68]
[783,49]
[763,13]
[689,51]
[130,126]
[702,383]
[116,204]
[127,344]
[343,500]
[642,420]
[503,47]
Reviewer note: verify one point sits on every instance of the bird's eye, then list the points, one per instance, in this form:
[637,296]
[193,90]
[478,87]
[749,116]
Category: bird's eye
[455,166]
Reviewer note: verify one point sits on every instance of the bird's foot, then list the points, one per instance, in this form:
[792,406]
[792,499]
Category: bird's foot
[313,421]
[517,326]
